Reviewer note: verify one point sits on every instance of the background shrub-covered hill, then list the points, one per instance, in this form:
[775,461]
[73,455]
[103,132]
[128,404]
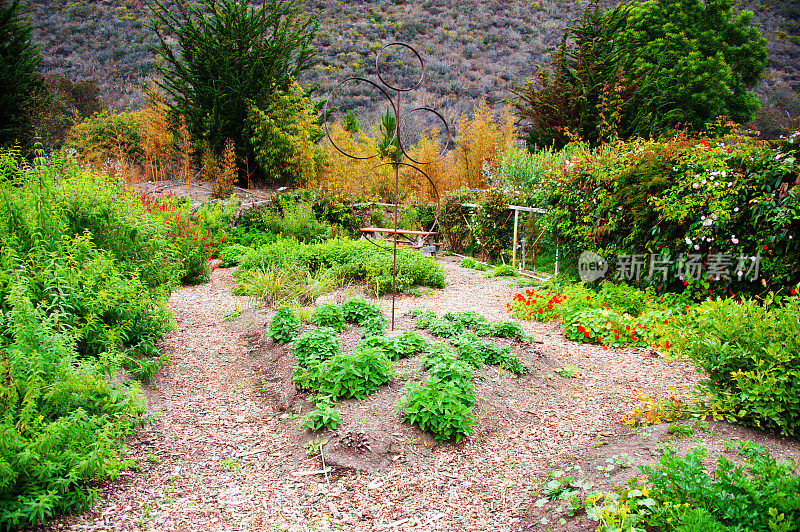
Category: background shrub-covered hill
[473,48]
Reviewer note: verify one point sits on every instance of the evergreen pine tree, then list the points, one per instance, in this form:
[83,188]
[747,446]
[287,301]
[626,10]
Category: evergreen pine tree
[230,55]
[19,59]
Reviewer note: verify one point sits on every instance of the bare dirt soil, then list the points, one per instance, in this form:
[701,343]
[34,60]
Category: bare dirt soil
[226,453]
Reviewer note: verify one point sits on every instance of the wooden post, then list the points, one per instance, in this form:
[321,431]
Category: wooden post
[514,245]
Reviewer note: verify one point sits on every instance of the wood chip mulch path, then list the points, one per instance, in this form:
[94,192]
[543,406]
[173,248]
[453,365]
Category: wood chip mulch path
[221,457]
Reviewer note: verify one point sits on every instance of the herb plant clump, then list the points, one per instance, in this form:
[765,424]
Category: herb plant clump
[406,344]
[315,346]
[357,310]
[508,329]
[347,375]
[374,326]
[442,407]
[325,416]
[284,326]
[329,315]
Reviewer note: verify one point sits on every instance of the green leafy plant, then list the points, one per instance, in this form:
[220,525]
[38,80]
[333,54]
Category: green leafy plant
[315,346]
[284,325]
[751,495]
[314,447]
[565,489]
[329,315]
[680,431]
[73,313]
[347,375]
[753,371]
[441,407]
[374,326]
[325,416]
[405,344]
[747,448]
[357,309]
[566,372]
[503,270]
[474,321]
[467,262]
[508,329]
[231,255]
[409,343]
[444,328]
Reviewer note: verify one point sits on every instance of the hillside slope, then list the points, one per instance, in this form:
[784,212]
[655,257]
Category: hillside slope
[473,48]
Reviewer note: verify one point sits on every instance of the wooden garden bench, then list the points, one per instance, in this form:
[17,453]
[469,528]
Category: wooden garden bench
[405,238]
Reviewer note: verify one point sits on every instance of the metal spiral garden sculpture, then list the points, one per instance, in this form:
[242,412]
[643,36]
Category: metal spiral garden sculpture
[400,157]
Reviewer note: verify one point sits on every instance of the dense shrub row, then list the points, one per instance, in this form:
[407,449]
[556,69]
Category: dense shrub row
[85,272]
[732,197]
[748,349]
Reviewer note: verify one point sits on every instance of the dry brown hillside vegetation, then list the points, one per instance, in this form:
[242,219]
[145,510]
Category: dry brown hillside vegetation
[473,48]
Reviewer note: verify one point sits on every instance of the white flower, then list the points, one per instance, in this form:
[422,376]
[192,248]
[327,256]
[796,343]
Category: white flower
[734,239]
[694,185]
[736,209]
[696,246]
[688,241]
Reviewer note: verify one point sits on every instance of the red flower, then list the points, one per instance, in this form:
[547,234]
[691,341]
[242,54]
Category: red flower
[792,292]
[627,327]
[704,143]
[666,344]
[665,322]
[616,337]
[588,298]
[586,334]
[541,310]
